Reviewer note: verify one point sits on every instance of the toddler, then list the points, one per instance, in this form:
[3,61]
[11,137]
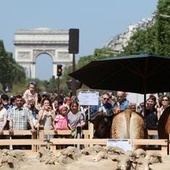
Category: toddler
[61,120]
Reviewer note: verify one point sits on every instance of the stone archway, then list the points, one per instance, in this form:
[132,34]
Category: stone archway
[31,43]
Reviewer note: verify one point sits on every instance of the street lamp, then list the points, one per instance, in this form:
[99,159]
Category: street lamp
[59,74]
[74,49]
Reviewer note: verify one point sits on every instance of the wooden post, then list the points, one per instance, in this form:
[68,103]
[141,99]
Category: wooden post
[169,145]
[34,147]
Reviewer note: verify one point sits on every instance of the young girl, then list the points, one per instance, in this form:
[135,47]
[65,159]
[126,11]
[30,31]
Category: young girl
[61,120]
[76,118]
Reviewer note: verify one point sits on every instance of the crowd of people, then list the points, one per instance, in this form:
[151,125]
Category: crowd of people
[34,111]
[154,107]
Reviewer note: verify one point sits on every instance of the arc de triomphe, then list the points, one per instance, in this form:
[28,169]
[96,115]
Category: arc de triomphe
[31,43]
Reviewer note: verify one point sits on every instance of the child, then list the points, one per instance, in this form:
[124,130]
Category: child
[61,120]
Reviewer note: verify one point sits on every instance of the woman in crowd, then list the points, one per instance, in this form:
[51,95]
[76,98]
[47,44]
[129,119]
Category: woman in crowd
[164,103]
[3,117]
[46,116]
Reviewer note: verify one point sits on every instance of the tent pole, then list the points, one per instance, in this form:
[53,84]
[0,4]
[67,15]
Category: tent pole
[144,108]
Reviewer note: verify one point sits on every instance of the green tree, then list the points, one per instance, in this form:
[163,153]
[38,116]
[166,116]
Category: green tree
[98,54]
[154,39]
[143,40]
[10,71]
[163,27]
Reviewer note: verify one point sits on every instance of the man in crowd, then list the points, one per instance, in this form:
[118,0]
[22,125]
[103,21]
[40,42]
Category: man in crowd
[106,106]
[122,103]
[19,118]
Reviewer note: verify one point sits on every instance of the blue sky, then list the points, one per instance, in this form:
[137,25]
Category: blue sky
[97,20]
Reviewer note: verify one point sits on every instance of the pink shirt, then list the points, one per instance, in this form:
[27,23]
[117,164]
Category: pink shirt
[61,122]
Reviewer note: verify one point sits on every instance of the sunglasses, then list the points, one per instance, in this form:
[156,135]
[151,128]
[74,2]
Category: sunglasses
[106,98]
[119,97]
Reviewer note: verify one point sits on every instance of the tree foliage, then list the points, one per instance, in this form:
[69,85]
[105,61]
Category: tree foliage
[143,40]
[98,54]
[163,27]
[154,39]
[10,71]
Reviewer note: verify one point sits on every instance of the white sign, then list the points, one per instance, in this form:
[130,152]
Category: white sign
[88,98]
[124,144]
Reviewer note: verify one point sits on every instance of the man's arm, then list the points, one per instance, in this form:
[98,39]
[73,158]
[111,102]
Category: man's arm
[10,118]
[5,119]
[11,126]
[30,120]
[32,126]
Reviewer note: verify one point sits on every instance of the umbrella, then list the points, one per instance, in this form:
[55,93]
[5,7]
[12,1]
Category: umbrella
[142,73]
